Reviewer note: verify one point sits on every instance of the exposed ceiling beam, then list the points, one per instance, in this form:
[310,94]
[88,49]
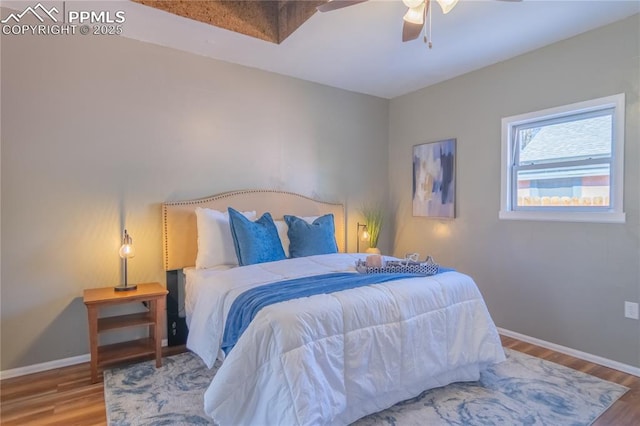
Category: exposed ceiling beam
[267,20]
[292,14]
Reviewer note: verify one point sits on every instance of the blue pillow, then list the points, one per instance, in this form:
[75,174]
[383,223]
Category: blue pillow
[255,242]
[307,239]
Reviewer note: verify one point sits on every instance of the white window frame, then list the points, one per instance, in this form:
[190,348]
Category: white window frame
[613,214]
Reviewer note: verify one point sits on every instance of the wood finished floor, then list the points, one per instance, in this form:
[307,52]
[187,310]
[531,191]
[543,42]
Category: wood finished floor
[66,396]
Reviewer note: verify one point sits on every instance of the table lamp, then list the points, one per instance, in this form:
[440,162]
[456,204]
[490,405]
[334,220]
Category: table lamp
[126,252]
[364,236]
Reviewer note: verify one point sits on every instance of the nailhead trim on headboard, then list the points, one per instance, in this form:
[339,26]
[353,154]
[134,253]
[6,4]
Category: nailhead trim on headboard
[340,227]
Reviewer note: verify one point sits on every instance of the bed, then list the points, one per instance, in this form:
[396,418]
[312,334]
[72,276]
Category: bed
[327,358]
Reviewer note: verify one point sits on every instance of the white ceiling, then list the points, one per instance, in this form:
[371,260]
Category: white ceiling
[359,48]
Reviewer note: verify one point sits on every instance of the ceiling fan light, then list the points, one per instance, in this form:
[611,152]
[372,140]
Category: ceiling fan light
[415,15]
[412,3]
[447,5]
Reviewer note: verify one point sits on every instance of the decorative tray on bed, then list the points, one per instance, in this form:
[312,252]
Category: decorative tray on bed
[429,267]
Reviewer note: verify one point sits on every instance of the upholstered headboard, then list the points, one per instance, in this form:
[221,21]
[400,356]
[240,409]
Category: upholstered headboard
[180,242]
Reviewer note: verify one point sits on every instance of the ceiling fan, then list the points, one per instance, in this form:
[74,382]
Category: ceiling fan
[413,21]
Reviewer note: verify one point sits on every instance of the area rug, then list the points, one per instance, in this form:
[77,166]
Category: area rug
[523,390]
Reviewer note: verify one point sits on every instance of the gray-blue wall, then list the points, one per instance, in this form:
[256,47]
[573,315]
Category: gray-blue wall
[565,283]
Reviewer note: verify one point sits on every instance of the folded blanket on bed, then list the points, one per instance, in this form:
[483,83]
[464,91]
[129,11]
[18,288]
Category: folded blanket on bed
[249,303]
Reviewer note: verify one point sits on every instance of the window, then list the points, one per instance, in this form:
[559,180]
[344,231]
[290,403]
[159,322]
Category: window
[565,163]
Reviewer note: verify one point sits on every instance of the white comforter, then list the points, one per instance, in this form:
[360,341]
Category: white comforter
[333,358]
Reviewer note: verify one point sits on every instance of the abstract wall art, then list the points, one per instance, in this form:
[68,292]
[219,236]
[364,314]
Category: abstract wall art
[434,179]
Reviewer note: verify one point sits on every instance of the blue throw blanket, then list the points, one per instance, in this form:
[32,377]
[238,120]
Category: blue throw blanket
[248,304]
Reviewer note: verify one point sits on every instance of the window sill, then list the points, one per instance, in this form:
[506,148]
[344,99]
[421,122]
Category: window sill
[593,217]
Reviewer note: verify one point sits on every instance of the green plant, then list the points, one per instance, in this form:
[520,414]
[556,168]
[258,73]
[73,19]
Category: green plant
[373,218]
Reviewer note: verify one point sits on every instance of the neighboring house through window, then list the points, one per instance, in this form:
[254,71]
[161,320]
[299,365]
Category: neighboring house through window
[565,163]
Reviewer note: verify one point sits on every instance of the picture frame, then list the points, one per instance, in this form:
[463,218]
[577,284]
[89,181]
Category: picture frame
[434,179]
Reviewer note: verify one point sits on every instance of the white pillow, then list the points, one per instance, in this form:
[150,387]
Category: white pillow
[283,231]
[215,243]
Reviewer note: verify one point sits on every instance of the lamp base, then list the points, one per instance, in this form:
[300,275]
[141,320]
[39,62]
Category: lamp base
[126,287]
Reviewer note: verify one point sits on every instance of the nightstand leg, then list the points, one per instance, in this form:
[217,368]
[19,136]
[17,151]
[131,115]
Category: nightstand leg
[93,341]
[157,308]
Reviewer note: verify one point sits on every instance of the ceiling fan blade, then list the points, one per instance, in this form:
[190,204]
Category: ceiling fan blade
[337,4]
[411,31]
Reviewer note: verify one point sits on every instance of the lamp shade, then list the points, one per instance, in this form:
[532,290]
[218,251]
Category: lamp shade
[365,234]
[126,250]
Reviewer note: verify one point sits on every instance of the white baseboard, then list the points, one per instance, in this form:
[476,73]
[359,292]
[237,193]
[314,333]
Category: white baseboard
[50,365]
[36,368]
[629,369]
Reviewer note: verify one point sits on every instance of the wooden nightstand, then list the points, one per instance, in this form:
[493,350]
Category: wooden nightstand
[96,298]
